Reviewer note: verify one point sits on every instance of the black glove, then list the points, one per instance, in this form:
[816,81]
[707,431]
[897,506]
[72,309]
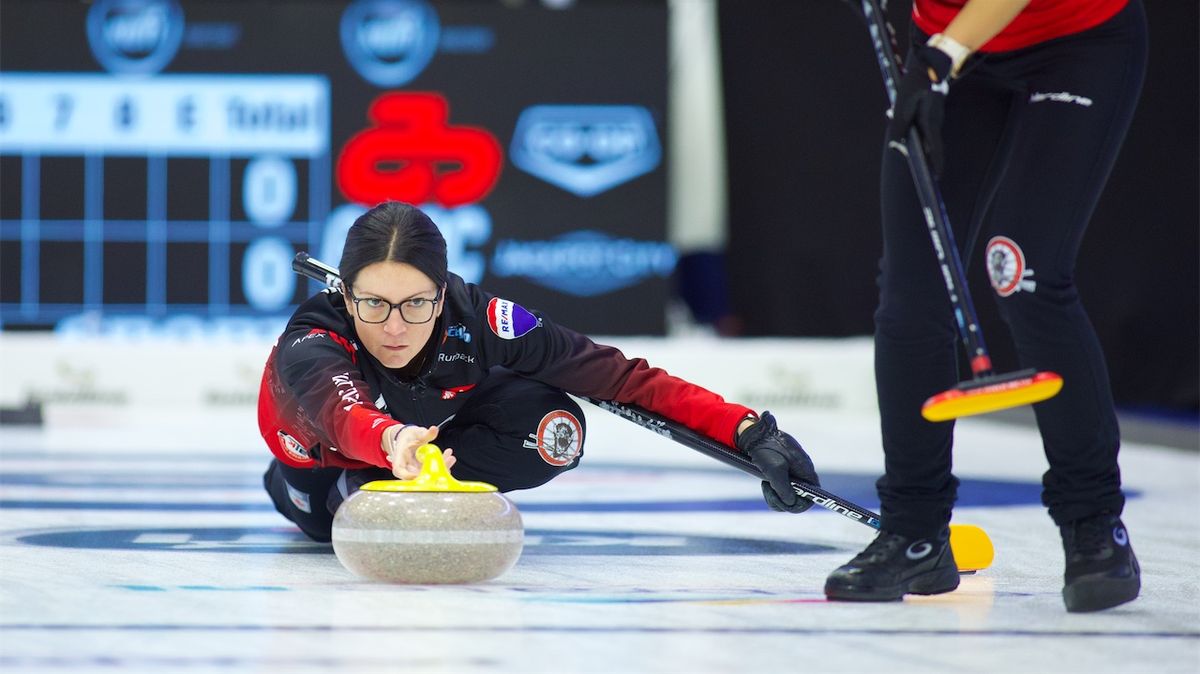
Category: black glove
[780,459]
[921,101]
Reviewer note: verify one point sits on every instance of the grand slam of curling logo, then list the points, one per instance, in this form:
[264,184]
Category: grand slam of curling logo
[135,36]
[389,42]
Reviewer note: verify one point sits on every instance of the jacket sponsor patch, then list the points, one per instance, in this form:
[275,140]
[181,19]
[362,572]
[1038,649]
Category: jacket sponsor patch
[508,319]
[452,392]
[350,346]
[298,498]
[459,331]
[294,450]
[314,333]
[559,438]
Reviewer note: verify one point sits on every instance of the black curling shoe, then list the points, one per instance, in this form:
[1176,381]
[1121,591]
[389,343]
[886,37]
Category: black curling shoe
[1102,571]
[893,566]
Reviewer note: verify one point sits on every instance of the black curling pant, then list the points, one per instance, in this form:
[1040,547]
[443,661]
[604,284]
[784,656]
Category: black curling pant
[1030,138]
[514,433]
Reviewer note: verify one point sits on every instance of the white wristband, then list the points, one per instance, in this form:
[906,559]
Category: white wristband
[957,51]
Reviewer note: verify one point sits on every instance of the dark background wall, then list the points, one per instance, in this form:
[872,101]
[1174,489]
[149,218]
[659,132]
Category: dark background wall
[804,110]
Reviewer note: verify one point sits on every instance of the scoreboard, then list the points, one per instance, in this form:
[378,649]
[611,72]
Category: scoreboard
[162,161]
[271,123]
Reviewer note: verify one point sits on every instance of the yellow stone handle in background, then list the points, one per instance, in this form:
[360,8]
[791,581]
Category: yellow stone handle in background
[434,477]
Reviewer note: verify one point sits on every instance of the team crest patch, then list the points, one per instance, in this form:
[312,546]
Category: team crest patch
[559,438]
[1006,267]
[294,451]
[509,320]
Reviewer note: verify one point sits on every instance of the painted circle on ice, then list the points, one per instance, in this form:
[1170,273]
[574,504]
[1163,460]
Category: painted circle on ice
[284,540]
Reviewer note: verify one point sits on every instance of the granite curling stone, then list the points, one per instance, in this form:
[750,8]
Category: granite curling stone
[431,529]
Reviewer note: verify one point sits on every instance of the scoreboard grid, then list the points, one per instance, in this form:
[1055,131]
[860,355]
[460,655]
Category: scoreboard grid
[47,141]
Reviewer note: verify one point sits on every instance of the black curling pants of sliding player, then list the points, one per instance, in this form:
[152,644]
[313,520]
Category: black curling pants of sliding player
[514,433]
[1030,137]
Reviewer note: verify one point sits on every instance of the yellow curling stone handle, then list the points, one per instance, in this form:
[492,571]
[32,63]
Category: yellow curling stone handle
[434,477]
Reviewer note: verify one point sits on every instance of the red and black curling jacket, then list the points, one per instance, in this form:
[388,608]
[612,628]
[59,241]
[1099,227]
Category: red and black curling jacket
[325,401]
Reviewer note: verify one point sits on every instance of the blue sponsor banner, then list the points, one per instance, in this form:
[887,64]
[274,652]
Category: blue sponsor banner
[584,263]
[586,149]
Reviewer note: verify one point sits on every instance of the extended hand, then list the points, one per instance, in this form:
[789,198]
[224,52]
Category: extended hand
[401,447]
[780,459]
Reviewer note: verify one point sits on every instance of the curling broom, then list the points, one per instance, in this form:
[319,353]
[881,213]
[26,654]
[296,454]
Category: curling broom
[986,391]
[971,545]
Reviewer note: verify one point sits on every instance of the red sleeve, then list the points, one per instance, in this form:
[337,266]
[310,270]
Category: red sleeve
[534,346]
[313,393]
[634,381]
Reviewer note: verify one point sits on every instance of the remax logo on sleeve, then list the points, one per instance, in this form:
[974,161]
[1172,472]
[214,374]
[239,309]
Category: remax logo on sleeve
[389,42]
[586,149]
[135,36]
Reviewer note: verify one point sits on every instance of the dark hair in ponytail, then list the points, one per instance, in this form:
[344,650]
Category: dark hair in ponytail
[397,232]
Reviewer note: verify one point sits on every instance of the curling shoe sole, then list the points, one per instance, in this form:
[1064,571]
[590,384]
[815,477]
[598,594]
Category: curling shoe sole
[1089,594]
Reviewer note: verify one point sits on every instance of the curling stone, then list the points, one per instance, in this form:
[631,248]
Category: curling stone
[431,529]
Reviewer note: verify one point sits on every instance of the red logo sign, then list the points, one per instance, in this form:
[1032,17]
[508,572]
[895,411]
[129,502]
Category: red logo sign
[412,154]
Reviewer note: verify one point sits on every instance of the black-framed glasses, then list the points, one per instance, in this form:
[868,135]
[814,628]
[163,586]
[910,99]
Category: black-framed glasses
[414,311]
